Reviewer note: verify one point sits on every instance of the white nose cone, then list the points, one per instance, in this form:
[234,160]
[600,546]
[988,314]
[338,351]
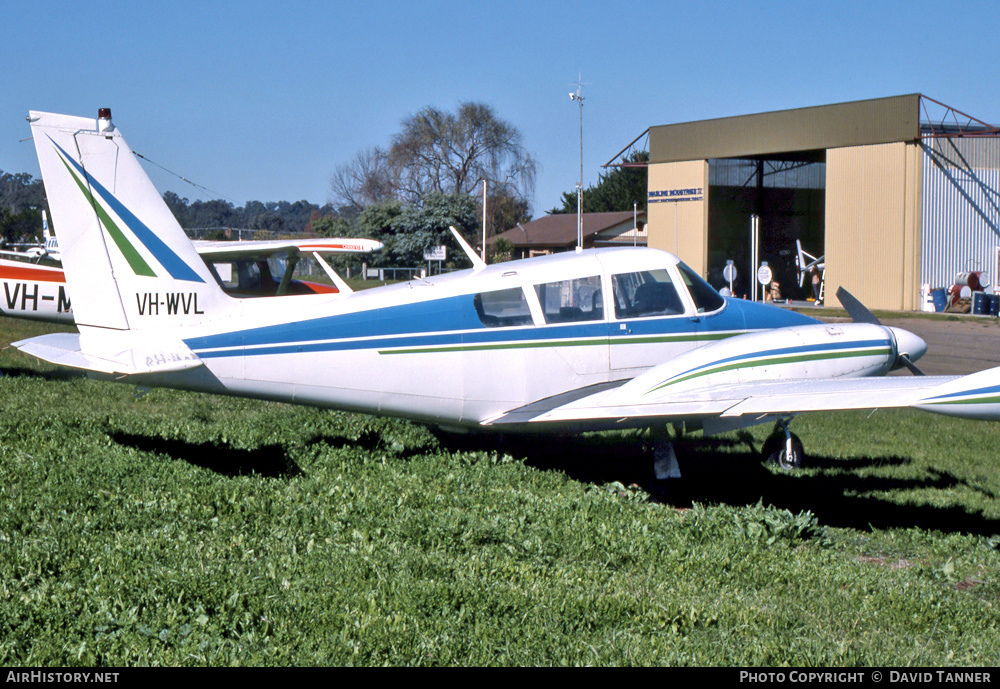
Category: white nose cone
[909,344]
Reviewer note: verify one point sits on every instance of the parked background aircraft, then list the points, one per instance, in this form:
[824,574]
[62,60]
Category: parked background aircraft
[34,286]
[598,339]
[805,263]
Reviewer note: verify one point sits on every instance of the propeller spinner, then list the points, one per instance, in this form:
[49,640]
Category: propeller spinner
[909,347]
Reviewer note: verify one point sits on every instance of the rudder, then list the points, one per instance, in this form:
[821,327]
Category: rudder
[127,261]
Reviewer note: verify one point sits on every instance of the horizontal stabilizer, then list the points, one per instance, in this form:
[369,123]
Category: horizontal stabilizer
[113,356]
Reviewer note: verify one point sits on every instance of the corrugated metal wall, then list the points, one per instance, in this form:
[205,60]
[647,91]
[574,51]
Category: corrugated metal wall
[961,208]
[872,224]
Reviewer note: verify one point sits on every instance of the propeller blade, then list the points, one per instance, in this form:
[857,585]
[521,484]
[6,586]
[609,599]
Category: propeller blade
[858,312]
[910,366]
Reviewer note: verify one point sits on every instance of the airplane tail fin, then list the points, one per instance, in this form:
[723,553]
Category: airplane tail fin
[127,261]
[133,274]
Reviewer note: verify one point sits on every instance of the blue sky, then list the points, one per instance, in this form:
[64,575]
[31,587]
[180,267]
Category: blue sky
[262,100]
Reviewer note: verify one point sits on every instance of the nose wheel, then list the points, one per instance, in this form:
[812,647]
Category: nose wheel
[784,449]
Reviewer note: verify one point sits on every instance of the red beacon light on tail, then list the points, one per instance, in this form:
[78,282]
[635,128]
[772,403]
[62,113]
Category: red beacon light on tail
[104,120]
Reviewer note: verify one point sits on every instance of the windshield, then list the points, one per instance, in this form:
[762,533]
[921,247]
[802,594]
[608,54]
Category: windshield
[703,295]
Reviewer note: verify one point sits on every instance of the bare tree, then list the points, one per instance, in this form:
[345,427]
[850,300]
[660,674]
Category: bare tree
[452,153]
[365,180]
[443,152]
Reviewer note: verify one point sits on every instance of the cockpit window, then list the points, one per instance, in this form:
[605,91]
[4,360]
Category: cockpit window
[240,274]
[571,300]
[503,308]
[703,295]
[646,293]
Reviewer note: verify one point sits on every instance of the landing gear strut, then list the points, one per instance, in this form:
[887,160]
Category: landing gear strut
[784,448]
[665,465]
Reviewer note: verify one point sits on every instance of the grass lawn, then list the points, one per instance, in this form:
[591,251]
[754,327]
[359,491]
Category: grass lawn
[174,528]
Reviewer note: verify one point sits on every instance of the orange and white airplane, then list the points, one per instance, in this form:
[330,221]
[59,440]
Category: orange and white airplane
[34,286]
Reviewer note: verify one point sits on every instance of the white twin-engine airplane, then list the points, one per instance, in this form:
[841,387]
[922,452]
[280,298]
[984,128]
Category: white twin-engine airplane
[598,339]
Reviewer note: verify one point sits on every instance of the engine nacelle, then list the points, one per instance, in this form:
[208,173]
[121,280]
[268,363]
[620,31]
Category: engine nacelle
[843,350]
[975,396]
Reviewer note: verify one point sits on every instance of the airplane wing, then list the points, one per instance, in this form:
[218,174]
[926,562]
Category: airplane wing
[29,253]
[783,398]
[230,250]
[975,396]
[733,382]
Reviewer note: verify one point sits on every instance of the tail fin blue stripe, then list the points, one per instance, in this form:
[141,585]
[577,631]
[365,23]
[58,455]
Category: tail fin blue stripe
[178,269]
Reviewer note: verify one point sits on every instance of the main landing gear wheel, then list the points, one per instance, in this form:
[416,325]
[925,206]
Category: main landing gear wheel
[775,451]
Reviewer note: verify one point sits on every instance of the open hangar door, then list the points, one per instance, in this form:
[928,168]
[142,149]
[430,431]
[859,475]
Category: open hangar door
[787,191]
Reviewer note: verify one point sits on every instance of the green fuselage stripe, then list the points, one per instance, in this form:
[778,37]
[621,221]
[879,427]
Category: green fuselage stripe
[592,342]
[769,361]
[972,400]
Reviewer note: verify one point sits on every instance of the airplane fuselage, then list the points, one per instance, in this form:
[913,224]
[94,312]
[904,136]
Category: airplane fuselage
[463,348]
[35,290]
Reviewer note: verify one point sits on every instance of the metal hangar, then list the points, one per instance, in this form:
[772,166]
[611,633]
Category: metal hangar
[897,192]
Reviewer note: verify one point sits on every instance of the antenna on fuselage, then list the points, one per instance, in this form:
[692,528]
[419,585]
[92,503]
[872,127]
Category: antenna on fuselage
[477,263]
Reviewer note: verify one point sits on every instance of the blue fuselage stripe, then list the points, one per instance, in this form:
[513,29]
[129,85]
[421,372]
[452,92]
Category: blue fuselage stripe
[452,321]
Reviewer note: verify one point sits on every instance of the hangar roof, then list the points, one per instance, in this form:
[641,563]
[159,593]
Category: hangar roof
[875,121]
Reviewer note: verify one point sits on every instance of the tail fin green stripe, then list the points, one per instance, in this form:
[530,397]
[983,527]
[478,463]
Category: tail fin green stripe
[135,260]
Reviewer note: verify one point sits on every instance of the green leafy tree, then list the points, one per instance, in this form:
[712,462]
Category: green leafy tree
[408,230]
[331,226]
[502,250]
[178,207]
[22,199]
[24,226]
[21,192]
[616,190]
[288,217]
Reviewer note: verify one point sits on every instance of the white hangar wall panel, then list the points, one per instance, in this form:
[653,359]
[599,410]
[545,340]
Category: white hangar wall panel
[677,211]
[872,224]
[961,208]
